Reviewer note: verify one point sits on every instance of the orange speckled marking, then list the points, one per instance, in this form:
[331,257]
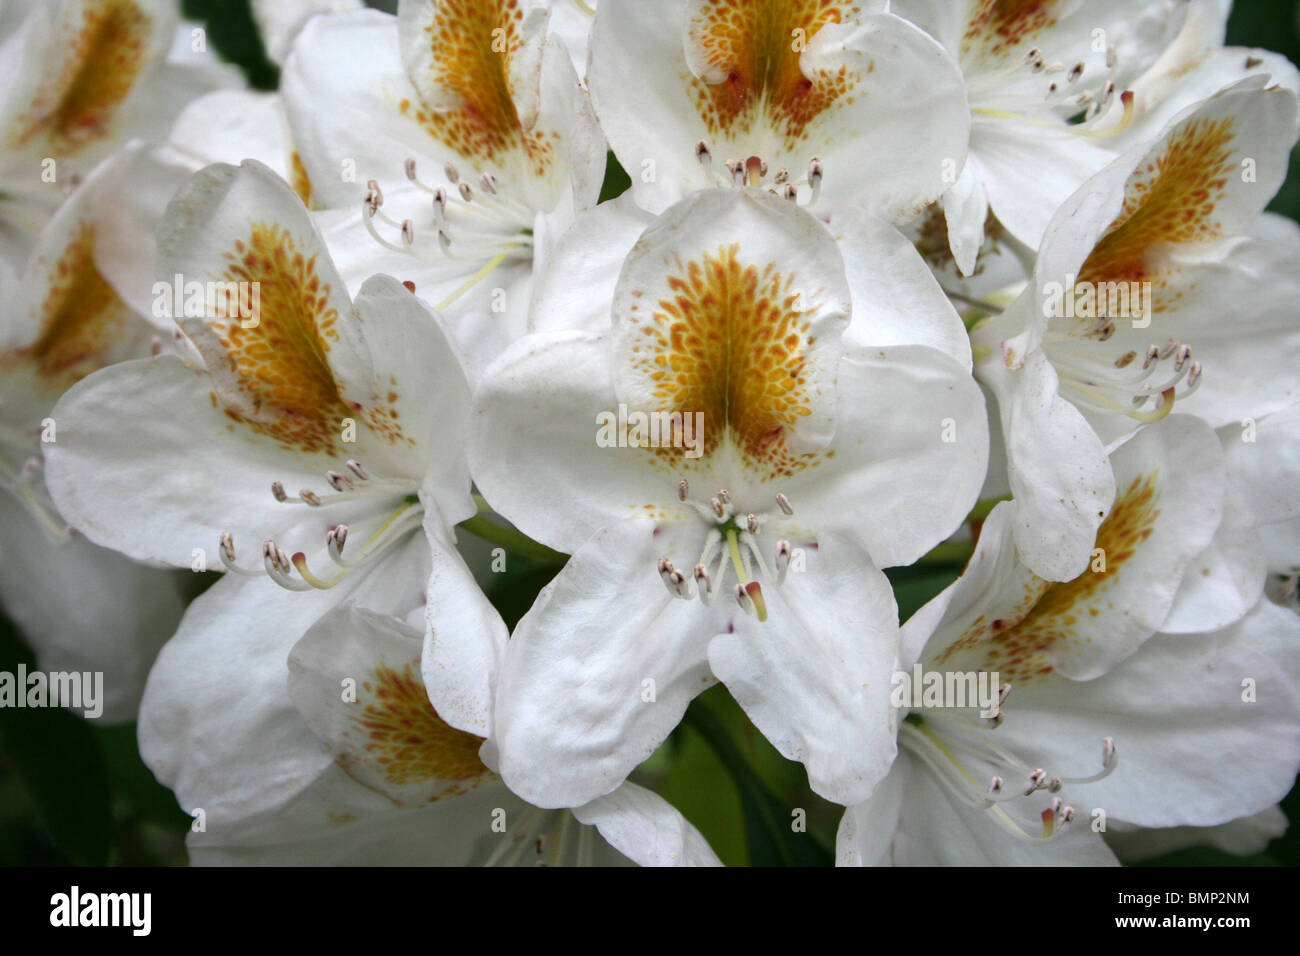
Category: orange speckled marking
[83,318]
[753,41]
[406,740]
[486,126]
[299,179]
[1023,649]
[730,343]
[996,26]
[1171,198]
[77,107]
[281,364]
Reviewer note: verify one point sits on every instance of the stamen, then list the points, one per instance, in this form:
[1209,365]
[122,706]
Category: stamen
[783,503]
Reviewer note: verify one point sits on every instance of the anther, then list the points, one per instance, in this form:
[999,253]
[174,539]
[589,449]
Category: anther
[453,175]
[358,469]
[783,553]
[409,168]
[309,496]
[683,489]
[751,524]
[1108,752]
[489,183]
[704,583]
[716,505]
[408,232]
[703,156]
[466,193]
[995,785]
[277,491]
[337,481]
[783,503]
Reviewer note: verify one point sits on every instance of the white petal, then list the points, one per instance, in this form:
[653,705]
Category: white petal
[599,671]
[815,676]
[911,475]
[644,827]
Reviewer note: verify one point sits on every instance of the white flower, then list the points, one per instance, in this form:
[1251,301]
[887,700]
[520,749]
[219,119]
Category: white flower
[393,783]
[1194,67]
[65,316]
[745,549]
[1126,312]
[1098,710]
[841,104]
[279,21]
[360,404]
[1028,69]
[83,78]
[470,150]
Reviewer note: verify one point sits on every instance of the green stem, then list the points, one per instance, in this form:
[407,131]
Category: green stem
[481,526]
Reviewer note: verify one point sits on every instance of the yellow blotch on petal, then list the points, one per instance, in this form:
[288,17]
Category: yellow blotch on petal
[757,45]
[486,125]
[403,738]
[1050,612]
[731,342]
[1171,198]
[996,26]
[78,106]
[83,319]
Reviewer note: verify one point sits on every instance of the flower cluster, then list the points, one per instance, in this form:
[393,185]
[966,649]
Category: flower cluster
[895,285]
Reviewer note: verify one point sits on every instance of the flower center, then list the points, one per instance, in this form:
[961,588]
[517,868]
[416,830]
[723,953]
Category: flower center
[356,484]
[1115,382]
[946,743]
[753,171]
[462,223]
[731,539]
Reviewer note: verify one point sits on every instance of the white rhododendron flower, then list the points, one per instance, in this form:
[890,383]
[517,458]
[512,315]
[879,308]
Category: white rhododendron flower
[395,784]
[728,314]
[83,77]
[469,151]
[648,432]
[1080,676]
[64,318]
[838,103]
[1124,317]
[304,390]
[1030,68]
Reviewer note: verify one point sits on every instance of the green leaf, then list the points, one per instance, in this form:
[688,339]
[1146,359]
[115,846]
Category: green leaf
[59,762]
[769,822]
[617,181]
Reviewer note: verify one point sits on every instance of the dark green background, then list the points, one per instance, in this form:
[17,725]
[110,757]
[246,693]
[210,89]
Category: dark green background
[75,792]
